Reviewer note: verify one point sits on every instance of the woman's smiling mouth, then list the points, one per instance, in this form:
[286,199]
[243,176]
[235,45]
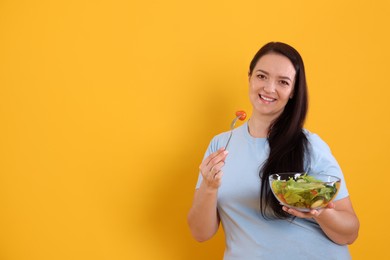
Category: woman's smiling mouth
[267,99]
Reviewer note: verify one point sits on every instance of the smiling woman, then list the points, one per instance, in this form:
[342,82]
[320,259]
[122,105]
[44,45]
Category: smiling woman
[271,85]
[231,190]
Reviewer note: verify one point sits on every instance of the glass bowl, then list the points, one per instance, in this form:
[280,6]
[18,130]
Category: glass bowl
[304,192]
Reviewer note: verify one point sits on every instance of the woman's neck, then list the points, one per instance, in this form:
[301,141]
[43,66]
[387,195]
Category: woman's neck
[258,128]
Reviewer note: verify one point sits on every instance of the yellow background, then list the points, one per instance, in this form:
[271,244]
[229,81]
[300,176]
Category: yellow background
[106,109]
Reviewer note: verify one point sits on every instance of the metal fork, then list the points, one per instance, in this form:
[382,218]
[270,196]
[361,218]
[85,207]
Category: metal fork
[231,130]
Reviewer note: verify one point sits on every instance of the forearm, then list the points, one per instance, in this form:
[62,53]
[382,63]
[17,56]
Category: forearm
[340,226]
[203,217]
[338,221]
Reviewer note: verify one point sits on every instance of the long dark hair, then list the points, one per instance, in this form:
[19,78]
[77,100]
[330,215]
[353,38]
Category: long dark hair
[287,141]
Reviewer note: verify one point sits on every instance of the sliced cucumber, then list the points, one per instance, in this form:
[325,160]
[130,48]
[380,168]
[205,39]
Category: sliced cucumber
[316,204]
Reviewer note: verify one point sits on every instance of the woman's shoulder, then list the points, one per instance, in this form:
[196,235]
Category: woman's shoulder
[240,130]
[221,136]
[316,142]
[311,136]
[219,140]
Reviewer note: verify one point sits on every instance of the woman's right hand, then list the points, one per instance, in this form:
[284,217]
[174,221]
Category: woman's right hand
[203,218]
[211,167]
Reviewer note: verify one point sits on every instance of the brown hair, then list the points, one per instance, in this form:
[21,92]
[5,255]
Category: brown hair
[287,141]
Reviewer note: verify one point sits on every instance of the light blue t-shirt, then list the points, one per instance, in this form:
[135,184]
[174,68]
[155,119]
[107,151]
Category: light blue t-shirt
[248,235]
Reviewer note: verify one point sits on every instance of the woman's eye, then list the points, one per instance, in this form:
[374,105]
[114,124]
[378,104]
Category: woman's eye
[284,83]
[261,76]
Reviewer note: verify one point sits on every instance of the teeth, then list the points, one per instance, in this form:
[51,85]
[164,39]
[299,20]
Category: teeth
[267,99]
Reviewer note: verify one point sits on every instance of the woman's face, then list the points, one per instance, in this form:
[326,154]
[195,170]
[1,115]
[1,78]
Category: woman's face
[271,84]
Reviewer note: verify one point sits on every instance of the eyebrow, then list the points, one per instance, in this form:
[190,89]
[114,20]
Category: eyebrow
[282,77]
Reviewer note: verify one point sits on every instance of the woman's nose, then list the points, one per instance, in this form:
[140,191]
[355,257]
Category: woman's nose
[269,87]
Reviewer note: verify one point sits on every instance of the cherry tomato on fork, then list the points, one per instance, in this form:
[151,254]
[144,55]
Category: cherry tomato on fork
[241,115]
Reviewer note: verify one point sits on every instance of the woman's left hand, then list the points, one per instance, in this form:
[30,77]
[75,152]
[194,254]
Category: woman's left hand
[311,214]
[338,220]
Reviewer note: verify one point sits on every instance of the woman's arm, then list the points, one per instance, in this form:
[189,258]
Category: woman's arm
[339,221]
[203,218]
[340,224]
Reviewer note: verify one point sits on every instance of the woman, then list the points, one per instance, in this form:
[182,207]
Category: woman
[233,189]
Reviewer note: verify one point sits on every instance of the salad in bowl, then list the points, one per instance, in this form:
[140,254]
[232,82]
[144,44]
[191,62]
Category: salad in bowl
[304,192]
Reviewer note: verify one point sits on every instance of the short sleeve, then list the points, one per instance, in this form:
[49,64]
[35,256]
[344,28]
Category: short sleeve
[322,161]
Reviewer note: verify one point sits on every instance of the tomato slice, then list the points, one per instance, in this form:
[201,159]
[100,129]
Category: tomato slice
[241,115]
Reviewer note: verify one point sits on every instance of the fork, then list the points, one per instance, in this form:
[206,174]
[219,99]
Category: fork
[239,115]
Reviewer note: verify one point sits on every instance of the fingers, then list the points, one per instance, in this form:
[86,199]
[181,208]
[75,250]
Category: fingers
[215,157]
[216,168]
[211,167]
[214,162]
[217,179]
[213,180]
[300,214]
[311,214]
[331,205]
